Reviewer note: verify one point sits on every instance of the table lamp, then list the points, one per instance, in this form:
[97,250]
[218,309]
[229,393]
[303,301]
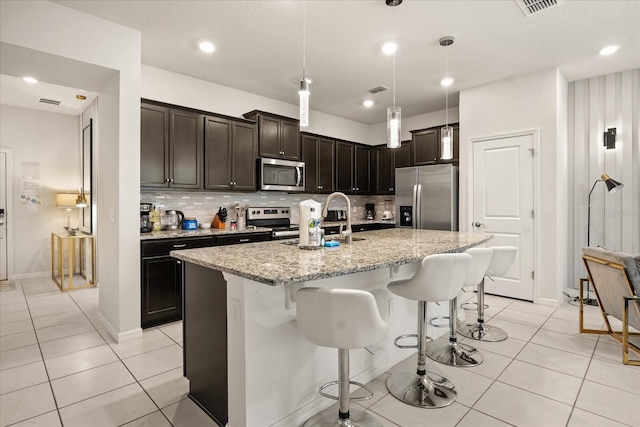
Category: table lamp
[68,202]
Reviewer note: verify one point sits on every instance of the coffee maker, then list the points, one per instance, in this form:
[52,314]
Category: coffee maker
[369,211]
[145,217]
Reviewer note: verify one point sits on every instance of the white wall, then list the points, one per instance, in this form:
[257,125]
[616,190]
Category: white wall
[595,105]
[378,132]
[178,89]
[51,141]
[53,29]
[532,101]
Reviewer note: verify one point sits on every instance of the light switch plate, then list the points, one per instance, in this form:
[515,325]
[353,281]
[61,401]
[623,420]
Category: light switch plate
[32,210]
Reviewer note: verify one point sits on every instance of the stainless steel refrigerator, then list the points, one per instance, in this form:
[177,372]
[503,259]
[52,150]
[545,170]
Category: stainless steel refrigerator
[427,197]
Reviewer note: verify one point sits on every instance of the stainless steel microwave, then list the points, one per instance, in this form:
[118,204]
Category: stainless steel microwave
[281,175]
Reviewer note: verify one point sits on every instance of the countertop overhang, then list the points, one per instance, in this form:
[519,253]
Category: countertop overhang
[277,263]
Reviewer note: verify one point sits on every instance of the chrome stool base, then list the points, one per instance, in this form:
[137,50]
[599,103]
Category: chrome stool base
[454,354]
[329,418]
[424,391]
[483,332]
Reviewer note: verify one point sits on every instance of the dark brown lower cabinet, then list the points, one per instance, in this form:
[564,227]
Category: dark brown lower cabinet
[161,279]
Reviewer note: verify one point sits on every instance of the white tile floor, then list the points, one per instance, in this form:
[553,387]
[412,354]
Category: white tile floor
[59,368]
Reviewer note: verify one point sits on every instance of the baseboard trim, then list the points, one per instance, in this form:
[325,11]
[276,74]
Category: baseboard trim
[119,336]
[548,302]
[38,275]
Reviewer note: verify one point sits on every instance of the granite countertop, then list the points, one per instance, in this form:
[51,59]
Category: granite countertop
[278,263]
[200,232]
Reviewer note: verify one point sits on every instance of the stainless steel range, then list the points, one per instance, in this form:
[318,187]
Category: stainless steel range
[278,219]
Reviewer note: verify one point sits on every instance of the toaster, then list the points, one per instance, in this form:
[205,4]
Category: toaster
[336,215]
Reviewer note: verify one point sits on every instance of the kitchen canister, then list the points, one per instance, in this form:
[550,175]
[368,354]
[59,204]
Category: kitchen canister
[190,224]
[310,221]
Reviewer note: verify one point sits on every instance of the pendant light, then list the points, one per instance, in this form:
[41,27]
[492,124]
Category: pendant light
[304,83]
[446,133]
[394,114]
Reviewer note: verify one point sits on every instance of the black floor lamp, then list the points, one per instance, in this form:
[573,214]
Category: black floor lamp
[612,186]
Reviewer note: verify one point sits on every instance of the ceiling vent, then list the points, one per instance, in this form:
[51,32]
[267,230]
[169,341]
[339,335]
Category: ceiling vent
[49,101]
[376,89]
[531,7]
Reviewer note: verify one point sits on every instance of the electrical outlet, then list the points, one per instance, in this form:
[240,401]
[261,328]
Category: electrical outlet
[236,310]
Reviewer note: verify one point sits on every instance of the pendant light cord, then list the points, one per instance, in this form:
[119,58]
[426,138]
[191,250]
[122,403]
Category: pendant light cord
[304,38]
[394,57]
[446,92]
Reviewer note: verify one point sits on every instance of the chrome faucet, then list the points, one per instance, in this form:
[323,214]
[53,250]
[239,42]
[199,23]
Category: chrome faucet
[347,232]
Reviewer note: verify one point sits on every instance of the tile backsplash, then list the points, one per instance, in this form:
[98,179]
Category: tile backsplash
[204,205]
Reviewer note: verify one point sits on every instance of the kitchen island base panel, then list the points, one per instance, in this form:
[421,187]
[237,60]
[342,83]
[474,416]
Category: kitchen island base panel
[205,340]
[274,372]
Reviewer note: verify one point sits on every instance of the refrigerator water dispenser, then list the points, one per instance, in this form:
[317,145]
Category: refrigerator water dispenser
[406,216]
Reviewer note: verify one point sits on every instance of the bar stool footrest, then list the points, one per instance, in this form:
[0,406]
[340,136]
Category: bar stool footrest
[331,396]
[472,306]
[395,342]
[439,325]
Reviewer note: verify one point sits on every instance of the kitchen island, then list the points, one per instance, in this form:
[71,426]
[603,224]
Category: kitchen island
[247,363]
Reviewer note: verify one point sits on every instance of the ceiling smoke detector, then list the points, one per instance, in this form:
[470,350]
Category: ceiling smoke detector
[377,89]
[49,101]
[530,7]
[446,41]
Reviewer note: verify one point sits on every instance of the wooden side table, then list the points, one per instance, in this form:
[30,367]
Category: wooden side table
[78,247]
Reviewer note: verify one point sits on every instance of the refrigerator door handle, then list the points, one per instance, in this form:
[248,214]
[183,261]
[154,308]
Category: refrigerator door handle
[417,199]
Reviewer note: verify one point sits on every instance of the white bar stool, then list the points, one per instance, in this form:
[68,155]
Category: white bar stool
[503,257]
[453,353]
[439,278]
[342,319]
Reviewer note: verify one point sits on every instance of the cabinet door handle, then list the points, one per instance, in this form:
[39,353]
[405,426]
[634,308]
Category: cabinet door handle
[282,152]
[166,180]
[171,180]
[244,240]
[178,262]
[180,246]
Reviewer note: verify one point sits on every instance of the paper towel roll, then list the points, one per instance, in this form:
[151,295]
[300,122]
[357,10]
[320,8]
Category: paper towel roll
[310,217]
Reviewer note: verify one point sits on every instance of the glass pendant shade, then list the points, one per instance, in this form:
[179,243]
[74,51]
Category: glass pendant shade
[81,201]
[446,148]
[393,127]
[304,103]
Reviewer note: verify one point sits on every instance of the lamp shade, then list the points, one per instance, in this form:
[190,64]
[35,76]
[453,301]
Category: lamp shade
[612,184]
[66,200]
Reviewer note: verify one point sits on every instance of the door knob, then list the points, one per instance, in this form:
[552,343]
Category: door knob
[478,224]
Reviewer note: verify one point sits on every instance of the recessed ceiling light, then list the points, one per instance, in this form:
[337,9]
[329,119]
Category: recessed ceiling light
[389,48]
[447,81]
[367,103]
[609,50]
[206,47]
[30,80]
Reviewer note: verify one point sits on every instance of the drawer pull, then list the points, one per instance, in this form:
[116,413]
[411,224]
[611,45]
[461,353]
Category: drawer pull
[244,240]
[180,246]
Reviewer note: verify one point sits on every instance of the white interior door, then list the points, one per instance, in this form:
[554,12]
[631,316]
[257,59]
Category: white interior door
[3,216]
[503,205]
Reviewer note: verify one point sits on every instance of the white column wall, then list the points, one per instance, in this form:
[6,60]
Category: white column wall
[76,36]
[532,101]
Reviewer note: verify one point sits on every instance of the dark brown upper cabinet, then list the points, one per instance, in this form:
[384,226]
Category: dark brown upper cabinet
[318,155]
[353,168]
[386,162]
[278,136]
[230,148]
[171,141]
[426,146]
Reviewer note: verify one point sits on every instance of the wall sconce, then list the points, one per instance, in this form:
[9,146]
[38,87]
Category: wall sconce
[610,138]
